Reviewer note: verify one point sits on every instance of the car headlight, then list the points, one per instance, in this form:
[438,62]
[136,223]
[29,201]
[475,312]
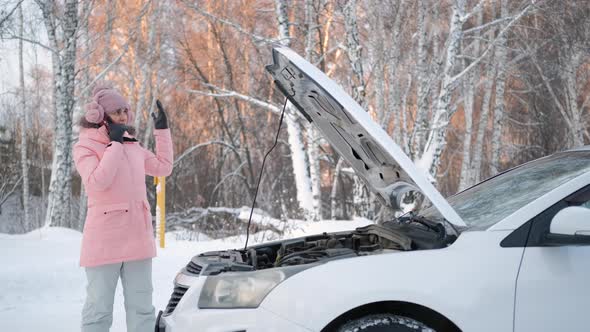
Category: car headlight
[243,289]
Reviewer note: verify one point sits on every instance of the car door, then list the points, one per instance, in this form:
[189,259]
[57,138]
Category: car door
[553,284]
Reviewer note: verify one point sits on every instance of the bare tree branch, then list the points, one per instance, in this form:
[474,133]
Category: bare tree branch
[229,175]
[328,52]
[200,145]
[7,194]
[130,38]
[487,25]
[34,42]
[237,27]
[455,78]
[560,107]
[223,93]
[106,69]
[5,18]
[474,11]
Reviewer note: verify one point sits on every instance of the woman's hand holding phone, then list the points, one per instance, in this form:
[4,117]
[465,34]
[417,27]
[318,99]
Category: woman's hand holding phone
[116,132]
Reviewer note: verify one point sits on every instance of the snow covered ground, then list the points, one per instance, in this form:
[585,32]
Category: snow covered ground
[43,288]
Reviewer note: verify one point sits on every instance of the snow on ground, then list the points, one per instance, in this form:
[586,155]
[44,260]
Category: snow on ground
[43,287]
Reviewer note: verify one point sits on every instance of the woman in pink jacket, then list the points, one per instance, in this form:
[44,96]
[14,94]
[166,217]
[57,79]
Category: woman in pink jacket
[118,237]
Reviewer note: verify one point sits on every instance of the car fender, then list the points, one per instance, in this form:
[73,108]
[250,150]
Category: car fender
[470,282]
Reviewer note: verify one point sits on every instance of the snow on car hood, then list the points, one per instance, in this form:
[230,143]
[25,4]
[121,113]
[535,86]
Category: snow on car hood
[374,156]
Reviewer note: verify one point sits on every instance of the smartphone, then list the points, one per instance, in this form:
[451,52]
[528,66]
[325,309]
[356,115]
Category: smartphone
[106,124]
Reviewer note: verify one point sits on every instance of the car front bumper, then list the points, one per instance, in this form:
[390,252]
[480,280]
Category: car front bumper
[187,316]
[227,320]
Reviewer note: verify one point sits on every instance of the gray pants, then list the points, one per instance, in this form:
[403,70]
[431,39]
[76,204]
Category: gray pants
[136,277]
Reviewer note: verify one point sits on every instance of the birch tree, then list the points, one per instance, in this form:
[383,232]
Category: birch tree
[478,152]
[420,123]
[312,133]
[470,90]
[85,80]
[300,166]
[146,65]
[377,56]
[360,196]
[61,30]
[396,101]
[501,57]
[442,112]
[24,122]
[108,32]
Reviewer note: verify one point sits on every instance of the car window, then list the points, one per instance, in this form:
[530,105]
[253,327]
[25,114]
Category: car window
[490,201]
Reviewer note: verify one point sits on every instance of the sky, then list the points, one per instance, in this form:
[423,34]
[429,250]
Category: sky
[34,30]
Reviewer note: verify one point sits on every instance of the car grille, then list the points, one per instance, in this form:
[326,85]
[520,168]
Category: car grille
[175,298]
[194,268]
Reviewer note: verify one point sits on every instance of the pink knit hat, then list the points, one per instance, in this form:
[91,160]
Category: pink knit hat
[106,99]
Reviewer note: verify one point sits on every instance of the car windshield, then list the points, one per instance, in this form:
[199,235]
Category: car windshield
[490,201]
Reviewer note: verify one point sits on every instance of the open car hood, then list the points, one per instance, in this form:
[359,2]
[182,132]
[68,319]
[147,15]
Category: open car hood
[374,156]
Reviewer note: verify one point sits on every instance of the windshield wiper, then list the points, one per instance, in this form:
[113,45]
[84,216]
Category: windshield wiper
[436,226]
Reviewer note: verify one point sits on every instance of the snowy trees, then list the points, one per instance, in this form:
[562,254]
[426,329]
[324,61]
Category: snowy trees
[444,109]
[570,29]
[467,88]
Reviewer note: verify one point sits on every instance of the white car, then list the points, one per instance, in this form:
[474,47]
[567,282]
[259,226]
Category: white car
[511,253]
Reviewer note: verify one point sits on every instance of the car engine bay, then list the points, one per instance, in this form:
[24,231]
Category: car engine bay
[403,234]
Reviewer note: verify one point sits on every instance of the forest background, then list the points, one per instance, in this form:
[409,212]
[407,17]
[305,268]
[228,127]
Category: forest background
[467,88]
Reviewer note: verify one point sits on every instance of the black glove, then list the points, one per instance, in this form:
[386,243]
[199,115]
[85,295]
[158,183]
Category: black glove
[116,132]
[160,120]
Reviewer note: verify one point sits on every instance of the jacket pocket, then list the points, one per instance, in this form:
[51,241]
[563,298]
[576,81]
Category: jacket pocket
[109,215]
[114,208]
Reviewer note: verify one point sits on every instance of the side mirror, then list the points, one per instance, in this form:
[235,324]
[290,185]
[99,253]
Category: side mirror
[571,225]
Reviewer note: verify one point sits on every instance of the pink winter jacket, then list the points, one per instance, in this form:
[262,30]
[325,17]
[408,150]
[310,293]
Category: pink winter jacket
[118,224]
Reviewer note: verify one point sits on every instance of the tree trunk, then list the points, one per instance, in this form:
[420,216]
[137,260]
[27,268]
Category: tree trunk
[83,198]
[395,105]
[470,90]
[111,6]
[334,193]
[313,155]
[402,112]
[468,105]
[146,68]
[376,49]
[499,98]
[50,21]
[437,135]
[304,194]
[312,135]
[300,167]
[482,126]
[571,86]
[360,195]
[421,124]
[59,205]
[24,125]
[354,51]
